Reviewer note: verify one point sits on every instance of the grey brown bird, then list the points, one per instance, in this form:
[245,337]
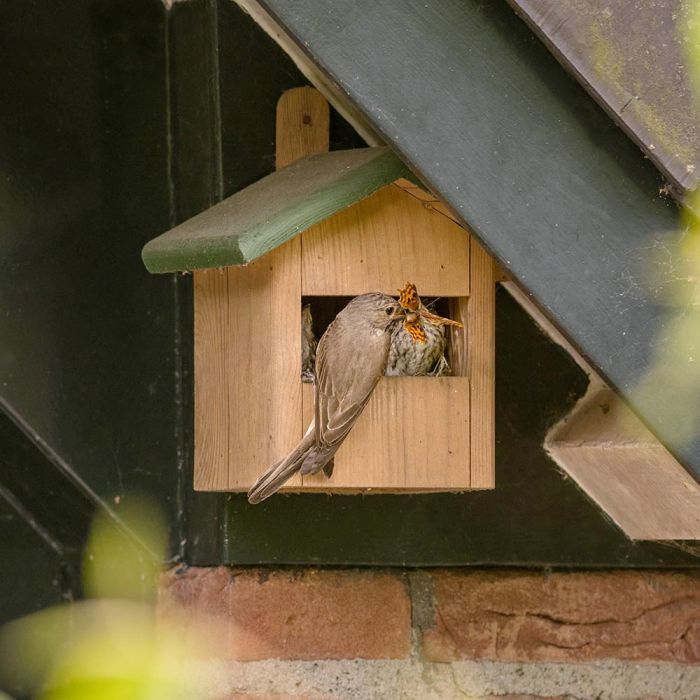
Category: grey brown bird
[350,359]
[418,345]
[409,357]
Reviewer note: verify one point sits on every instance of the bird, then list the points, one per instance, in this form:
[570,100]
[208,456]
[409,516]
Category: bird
[351,357]
[308,345]
[418,346]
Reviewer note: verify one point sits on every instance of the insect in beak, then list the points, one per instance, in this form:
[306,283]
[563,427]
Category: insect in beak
[410,301]
[412,316]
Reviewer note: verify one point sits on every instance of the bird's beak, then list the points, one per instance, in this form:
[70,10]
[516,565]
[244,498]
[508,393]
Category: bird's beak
[412,316]
[399,313]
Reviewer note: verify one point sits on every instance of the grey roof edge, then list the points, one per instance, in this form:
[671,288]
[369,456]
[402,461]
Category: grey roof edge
[548,26]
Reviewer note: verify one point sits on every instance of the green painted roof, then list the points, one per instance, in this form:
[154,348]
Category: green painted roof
[263,216]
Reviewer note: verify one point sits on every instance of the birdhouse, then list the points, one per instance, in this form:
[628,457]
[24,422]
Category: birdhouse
[325,227]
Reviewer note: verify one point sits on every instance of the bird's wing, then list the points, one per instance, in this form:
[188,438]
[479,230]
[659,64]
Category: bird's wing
[348,367]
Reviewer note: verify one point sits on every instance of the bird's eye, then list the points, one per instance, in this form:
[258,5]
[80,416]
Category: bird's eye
[390,310]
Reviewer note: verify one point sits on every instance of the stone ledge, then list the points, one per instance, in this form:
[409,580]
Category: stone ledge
[408,679]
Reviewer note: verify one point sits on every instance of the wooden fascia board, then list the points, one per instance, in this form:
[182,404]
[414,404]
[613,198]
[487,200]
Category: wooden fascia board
[264,215]
[490,121]
[597,47]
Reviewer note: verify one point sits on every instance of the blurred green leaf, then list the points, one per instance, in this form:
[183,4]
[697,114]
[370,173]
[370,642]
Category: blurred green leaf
[120,563]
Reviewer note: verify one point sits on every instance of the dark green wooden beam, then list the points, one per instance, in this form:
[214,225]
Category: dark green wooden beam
[479,109]
[263,216]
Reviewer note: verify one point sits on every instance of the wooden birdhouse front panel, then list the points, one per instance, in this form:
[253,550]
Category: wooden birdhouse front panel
[382,241]
[251,407]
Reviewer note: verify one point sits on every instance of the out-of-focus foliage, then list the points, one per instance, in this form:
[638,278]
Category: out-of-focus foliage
[113,645]
[689,26]
[673,277]
[115,566]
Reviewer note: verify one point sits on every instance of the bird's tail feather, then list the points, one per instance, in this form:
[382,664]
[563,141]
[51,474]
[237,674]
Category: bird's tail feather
[281,472]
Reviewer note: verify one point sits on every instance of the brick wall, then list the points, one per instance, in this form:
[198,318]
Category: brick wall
[441,633]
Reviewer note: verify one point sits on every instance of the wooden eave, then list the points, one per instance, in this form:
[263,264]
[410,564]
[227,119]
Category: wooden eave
[264,215]
[493,124]
[633,59]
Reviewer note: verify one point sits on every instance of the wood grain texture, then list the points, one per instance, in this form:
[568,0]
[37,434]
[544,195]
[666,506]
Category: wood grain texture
[643,489]
[380,243]
[302,126]
[247,364]
[621,466]
[211,400]
[481,338]
[458,337]
[412,436]
[264,365]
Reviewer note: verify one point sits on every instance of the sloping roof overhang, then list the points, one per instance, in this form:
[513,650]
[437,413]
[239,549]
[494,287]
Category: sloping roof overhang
[487,118]
[630,57]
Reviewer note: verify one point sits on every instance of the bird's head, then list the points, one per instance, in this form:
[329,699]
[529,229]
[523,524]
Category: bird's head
[382,310]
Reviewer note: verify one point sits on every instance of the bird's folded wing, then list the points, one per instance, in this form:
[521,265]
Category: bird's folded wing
[347,372]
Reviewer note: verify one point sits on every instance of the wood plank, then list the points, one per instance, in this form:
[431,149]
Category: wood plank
[459,338]
[412,436]
[381,242]
[263,363]
[211,401]
[497,127]
[621,466]
[302,125]
[264,215]
[643,489]
[481,332]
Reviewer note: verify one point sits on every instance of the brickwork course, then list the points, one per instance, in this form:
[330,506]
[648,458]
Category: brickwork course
[307,633]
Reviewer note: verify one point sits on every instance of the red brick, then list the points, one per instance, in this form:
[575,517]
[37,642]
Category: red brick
[319,615]
[194,604]
[525,616]
[307,614]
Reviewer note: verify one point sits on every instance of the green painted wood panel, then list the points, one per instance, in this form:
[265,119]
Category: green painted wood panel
[263,216]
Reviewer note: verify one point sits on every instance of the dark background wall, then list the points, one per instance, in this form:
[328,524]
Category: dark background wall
[120,118]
